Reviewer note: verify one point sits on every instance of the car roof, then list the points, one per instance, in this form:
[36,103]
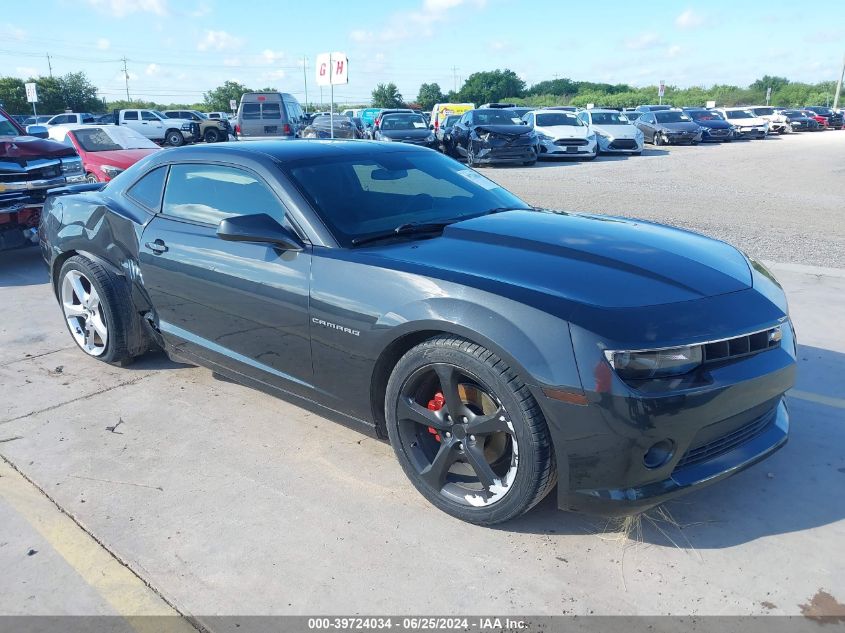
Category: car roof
[604,110]
[287,151]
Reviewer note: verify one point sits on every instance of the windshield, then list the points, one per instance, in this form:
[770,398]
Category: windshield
[451,120]
[821,110]
[375,193]
[671,117]
[705,115]
[739,114]
[764,111]
[495,117]
[340,120]
[609,118]
[7,128]
[107,139]
[160,115]
[793,113]
[552,119]
[403,122]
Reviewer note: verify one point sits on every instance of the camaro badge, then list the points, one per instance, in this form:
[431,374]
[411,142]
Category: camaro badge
[335,326]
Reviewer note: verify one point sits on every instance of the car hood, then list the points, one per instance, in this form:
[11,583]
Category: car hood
[510,130]
[679,126]
[123,158]
[714,124]
[618,131]
[564,131]
[25,147]
[589,259]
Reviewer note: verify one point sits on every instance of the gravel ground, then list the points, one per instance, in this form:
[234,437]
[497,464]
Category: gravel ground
[780,199]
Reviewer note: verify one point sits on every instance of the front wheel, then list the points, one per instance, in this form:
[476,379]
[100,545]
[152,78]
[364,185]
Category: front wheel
[471,162]
[212,135]
[656,140]
[467,431]
[174,138]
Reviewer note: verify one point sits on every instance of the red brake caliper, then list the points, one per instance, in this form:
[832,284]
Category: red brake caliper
[435,404]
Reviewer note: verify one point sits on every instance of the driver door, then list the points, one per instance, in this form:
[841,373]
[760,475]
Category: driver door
[242,305]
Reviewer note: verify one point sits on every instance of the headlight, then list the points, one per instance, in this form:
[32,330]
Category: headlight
[544,137]
[591,136]
[430,138]
[111,171]
[484,136]
[638,133]
[72,166]
[602,134]
[647,364]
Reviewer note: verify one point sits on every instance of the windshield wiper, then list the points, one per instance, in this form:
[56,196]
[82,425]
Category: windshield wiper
[409,228]
[503,209]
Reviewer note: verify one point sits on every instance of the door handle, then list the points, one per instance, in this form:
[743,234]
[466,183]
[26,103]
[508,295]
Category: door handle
[158,247]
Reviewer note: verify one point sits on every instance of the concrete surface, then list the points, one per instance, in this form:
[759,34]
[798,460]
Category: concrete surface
[228,501]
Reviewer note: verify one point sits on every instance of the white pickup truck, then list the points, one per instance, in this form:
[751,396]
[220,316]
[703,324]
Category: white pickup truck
[157,127]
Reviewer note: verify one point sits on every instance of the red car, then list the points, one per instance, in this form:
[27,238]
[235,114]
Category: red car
[822,121]
[106,150]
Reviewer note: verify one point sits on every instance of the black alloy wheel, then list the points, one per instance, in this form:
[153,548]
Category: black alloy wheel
[467,432]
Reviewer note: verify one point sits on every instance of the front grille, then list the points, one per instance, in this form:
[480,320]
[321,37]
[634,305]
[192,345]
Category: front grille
[41,173]
[742,345]
[713,132]
[623,143]
[569,142]
[727,442]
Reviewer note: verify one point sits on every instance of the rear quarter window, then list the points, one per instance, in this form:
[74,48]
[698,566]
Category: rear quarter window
[147,191]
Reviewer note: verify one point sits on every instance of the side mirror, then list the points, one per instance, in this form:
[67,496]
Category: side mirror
[431,127]
[525,122]
[37,130]
[258,228]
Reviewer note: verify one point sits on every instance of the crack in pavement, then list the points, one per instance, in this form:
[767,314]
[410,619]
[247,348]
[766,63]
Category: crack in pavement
[187,618]
[26,358]
[85,397]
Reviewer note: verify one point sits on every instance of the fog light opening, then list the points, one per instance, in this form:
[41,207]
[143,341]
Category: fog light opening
[659,454]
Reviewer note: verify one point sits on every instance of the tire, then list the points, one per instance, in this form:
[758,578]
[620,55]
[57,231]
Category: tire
[529,163]
[89,177]
[656,140]
[694,142]
[110,308]
[174,138]
[515,452]
[212,135]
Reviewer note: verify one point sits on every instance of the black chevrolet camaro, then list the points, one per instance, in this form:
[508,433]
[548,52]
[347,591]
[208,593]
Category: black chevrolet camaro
[502,349]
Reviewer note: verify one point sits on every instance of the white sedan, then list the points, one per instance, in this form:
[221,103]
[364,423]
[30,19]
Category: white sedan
[614,132]
[746,123]
[562,133]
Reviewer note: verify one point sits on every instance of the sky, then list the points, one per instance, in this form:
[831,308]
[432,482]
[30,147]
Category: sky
[178,49]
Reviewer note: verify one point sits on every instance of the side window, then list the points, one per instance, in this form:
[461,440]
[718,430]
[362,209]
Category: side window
[210,193]
[147,191]
[251,111]
[130,115]
[148,116]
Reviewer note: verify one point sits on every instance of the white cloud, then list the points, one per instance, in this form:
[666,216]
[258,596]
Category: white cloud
[122,8]
[202,9]
[644,41]
[689,19]
[12,32]
[152,70]
[673,51]
[103,44]
[219,41]
[272,57]
[406,25]
[25,72]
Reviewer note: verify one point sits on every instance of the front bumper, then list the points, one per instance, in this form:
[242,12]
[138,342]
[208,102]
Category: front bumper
[716,135]
[731,416]
[679,138]
[567,147]
[506,155]
[753,131]
[614,145]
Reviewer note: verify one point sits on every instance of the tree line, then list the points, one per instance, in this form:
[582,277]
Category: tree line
[75,92]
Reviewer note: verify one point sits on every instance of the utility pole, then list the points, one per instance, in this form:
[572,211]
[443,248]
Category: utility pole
[49,65]
[454,78]
[305,79]
[126,77]
[839,86]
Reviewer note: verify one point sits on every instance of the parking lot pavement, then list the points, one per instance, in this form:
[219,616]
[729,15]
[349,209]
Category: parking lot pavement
[228,501]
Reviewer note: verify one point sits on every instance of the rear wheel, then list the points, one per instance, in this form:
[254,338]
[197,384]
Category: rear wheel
[467,432]
[97,309]
[89,177]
